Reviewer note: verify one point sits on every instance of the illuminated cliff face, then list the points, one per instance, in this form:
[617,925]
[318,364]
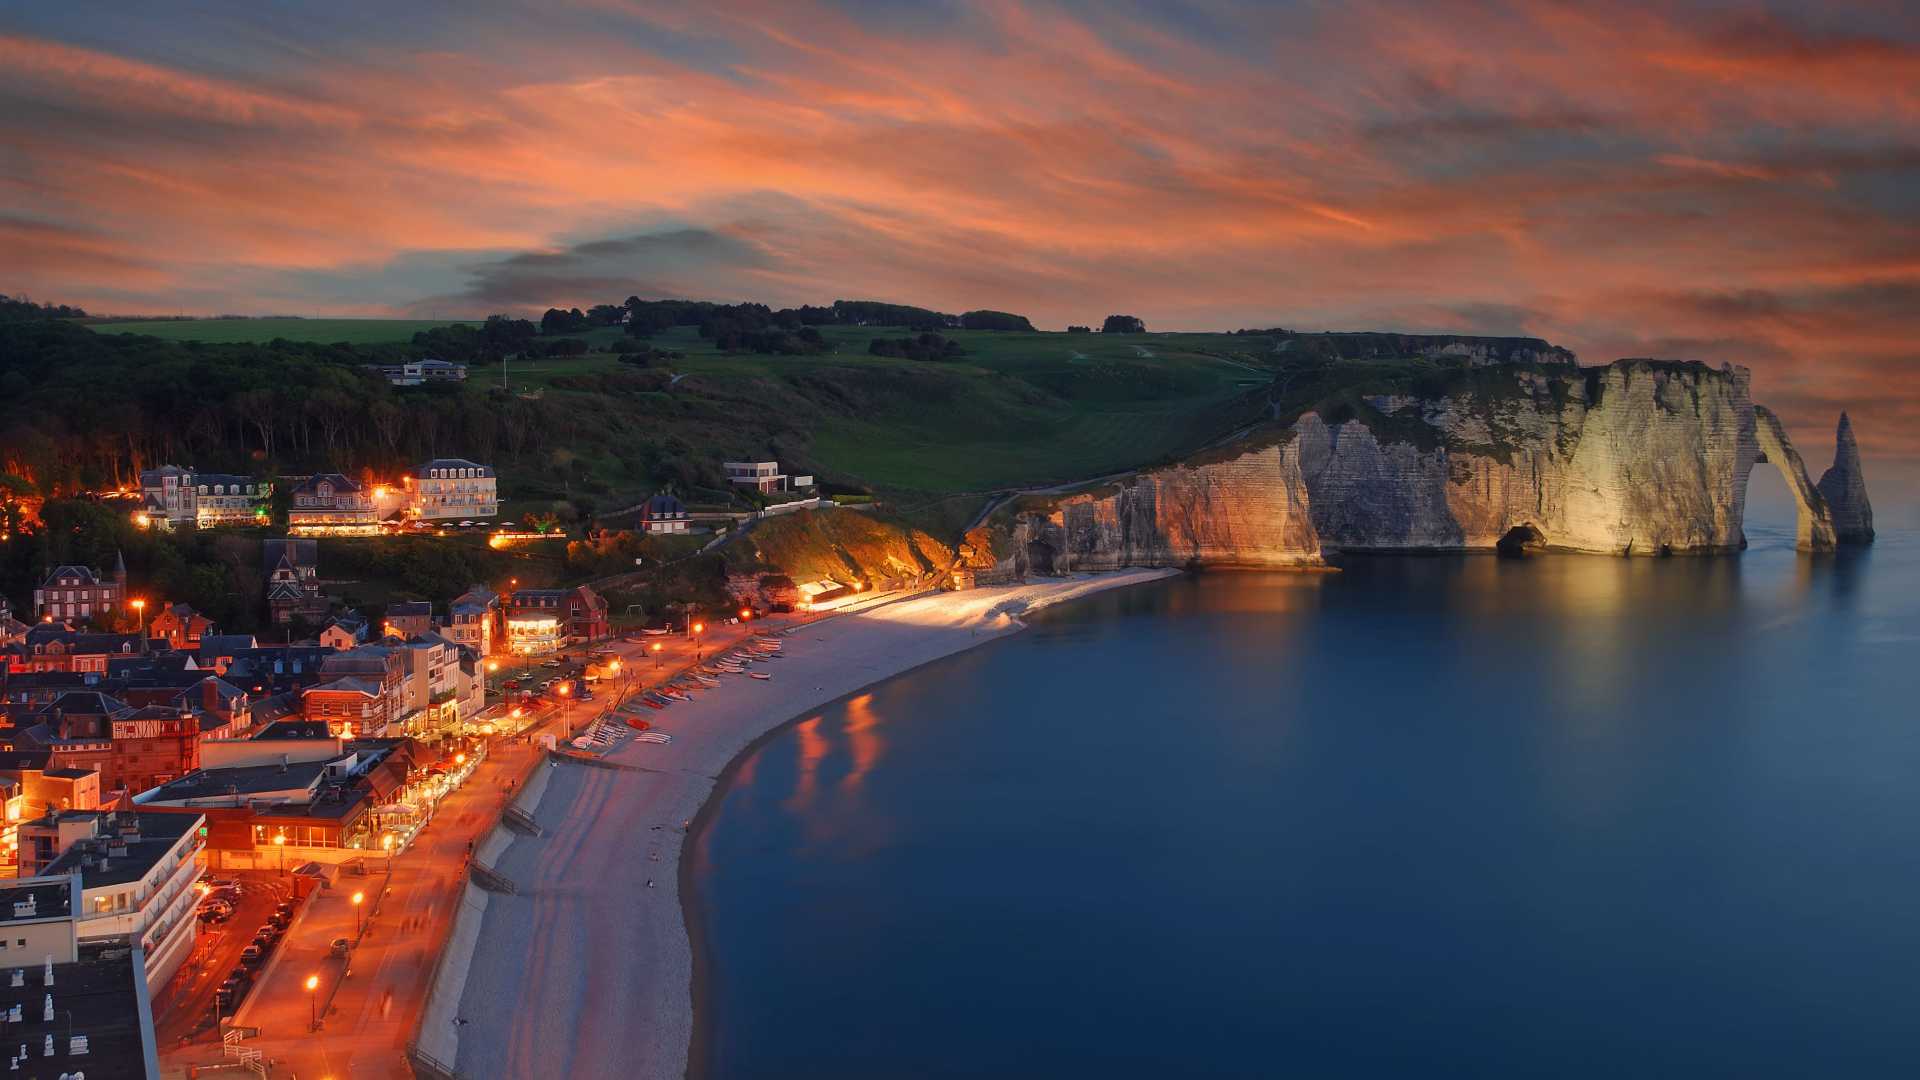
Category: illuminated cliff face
[1635,458]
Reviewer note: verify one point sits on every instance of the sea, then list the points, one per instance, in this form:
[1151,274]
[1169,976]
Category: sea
[1559,816]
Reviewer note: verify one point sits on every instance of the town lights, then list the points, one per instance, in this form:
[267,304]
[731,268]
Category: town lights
[386,842]
[460,758]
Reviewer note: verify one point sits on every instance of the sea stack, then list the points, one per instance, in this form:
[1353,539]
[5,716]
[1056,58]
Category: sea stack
[1845,488]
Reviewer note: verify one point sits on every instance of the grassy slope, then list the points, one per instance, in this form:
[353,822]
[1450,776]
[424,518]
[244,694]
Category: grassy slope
[328,331]
[1018,408]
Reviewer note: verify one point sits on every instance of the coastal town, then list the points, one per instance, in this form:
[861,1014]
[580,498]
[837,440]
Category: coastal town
[949,540]
[275,826]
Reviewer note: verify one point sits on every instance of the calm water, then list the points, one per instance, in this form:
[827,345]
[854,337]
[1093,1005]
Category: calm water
[1572,817]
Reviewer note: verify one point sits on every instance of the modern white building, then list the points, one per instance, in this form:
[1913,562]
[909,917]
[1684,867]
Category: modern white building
[136,872]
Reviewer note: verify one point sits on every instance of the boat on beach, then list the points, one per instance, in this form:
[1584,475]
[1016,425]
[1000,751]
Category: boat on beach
[758,675]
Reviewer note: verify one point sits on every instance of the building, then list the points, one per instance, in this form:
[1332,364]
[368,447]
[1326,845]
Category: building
[151,746]
[172,496]
[345,631]
[350,704]
[432,687]
[540,621]
[451,489]
[136,874]
[762,476]
[38,922]
[471,620]
[98,1024]
[11,629]
[663,514]
[404,620]
[56,646]
[290,798]
[293,580]
[78,592]
[217,652]
[421,372]
[179,626]
[329,504]
[130,748]
[32,792]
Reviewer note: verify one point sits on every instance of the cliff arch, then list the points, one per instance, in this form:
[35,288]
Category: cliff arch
[1521,540]
[1814,530]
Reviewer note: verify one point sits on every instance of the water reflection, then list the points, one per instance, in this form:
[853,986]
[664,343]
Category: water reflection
[1420,817]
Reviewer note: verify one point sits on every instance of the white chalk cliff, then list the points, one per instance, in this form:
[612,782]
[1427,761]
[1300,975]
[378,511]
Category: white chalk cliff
[1638,457]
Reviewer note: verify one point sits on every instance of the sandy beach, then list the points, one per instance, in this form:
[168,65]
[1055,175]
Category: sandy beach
[588,968]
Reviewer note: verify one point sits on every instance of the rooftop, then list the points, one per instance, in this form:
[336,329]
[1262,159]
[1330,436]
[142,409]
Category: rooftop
[238,782]
[31,899]
[96,999]
[102,863]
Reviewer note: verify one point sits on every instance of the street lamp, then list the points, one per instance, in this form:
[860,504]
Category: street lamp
[358,925]
[656,655]
[313,1003]
[746,614]
[566,708]
[280,841]
[698,629]
[140,612]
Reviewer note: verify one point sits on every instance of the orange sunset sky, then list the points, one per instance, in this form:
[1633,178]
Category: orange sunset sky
[1715,181]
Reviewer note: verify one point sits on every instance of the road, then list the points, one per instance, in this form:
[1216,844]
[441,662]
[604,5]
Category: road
[184,1008]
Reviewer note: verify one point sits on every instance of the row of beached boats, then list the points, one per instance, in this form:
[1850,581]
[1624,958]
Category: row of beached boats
[704,677]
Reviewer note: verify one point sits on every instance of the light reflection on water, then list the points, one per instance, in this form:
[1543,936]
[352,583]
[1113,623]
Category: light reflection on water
[1430,816]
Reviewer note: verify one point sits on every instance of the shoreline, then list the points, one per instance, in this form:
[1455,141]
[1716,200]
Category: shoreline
[586,874]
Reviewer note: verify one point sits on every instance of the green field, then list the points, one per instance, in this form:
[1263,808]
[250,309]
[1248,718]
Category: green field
[327,331]
[1018,408]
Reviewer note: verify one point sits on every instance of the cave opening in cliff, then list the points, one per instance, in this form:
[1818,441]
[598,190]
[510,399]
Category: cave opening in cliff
[1040,557]
[1521,540]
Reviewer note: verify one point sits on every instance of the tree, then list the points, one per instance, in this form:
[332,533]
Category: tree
[1123,324]
[1079,329]
[994,320]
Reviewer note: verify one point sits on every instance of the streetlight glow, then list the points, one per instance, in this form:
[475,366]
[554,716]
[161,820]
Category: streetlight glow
[313,982]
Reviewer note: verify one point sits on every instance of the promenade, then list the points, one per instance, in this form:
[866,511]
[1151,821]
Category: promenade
[368,1005]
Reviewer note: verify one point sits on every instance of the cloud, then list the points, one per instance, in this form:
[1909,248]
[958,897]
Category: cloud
[1620,179]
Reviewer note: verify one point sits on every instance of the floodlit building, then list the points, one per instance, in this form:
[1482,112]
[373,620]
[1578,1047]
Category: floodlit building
[330,504]
[452,489]
[172,497]
[540,621]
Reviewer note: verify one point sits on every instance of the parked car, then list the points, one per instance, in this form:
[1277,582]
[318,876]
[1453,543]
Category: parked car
[215,911]
[341,946]
[252,955]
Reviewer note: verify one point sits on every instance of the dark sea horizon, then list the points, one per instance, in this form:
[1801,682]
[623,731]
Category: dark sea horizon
[1431,816]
